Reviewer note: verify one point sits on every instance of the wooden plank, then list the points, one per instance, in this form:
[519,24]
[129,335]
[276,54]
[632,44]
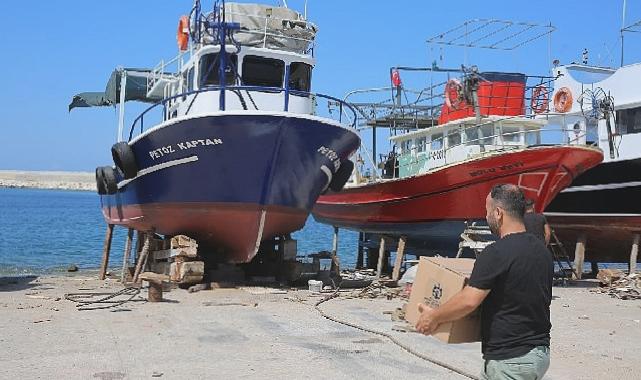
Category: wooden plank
[400,255]
[143,257]
[174,252]
[106,248]
[579,257]
[634,254]
[125,257]
[360,255]
[381,256]
[182,241]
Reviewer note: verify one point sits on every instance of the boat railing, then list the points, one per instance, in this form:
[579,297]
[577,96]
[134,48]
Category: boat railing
[165,69]
[345,110]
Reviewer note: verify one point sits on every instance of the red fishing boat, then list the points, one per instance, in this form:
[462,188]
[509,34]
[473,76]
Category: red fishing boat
[436,178]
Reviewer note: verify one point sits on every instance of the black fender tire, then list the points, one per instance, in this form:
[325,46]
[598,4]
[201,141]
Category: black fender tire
[100,181]
[125,159]
[109,180]
[342,175]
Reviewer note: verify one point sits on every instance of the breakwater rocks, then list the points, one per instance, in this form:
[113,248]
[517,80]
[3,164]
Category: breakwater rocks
[81,181]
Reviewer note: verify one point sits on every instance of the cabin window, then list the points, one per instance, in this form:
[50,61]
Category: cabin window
[209,66]
[406,146]
[472,135]
[629,121]
[420,144]
[300,76]
[437,141]
[263,72]
[190,80]
[511,134]
[453,138]
[532,138]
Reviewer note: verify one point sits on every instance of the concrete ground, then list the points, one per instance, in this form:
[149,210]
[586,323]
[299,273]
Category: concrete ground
[252,332]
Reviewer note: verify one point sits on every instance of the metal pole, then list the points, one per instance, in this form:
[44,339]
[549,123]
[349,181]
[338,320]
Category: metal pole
[622,28]
[106,248]
[121,109]
[125,258]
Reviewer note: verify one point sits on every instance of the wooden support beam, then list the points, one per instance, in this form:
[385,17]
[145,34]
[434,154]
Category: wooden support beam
[142,258]
[106,249]
[335,242]
[360,254]
[126,254]
[634,254]
[579,257]
[400,255]
[381,256]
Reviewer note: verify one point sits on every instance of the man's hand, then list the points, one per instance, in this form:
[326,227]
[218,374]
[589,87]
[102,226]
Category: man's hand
[427,323]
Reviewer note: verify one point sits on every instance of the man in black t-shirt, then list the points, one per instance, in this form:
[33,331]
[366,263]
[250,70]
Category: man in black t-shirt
[535,223]
[512,280]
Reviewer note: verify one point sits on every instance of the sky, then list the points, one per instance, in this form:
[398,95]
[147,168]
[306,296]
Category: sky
[55,49]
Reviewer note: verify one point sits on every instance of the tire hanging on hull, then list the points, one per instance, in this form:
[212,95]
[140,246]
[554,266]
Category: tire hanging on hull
[125,159]
[106,180]
[342,176]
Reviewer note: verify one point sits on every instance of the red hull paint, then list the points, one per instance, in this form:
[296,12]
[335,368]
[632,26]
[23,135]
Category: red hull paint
[457,192]
[234,227]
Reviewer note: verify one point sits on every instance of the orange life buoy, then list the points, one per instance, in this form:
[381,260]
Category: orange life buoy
[563,100]
[182,36]
[540,101]
[453,90]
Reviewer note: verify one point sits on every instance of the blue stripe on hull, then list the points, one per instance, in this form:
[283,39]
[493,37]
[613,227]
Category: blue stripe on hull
[258,159]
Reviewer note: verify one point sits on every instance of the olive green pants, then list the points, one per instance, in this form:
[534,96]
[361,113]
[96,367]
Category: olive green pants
[531,366]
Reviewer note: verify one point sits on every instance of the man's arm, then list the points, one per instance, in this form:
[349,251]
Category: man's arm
[463,303]
[548,233]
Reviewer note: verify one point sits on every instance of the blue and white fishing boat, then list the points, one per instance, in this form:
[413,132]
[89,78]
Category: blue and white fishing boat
[239,154]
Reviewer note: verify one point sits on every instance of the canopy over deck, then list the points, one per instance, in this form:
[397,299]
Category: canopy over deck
[135,89]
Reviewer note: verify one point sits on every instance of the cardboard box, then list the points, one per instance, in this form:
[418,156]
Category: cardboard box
[437,280]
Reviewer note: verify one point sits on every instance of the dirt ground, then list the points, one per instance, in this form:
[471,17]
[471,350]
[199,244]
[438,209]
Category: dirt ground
[255,332]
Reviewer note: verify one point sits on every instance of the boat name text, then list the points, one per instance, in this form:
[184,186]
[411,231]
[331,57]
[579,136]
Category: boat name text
[173,148]
[505,167]
[325,151]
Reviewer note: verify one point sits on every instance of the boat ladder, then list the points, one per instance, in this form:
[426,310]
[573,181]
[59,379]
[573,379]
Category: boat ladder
[476,238]
[561,258]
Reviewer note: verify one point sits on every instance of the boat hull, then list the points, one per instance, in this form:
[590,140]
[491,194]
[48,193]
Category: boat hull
[435,206]
[603,204]
[229,180]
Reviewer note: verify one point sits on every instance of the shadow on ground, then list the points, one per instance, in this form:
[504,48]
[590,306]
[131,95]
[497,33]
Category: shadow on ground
[17,283]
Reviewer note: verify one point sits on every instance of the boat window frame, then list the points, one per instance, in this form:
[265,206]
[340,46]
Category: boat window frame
[421,144]
[450,134]
[250,57]
[624,121]
[230,76]
[439,140]
[306,81]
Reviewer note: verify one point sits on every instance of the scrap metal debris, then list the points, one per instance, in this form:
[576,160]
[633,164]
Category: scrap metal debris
[617,286]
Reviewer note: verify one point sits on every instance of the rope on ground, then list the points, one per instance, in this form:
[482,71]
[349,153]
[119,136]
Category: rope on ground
[389,337]
[90,301]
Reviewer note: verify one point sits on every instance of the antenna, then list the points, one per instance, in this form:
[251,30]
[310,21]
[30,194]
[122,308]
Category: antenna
[623,29]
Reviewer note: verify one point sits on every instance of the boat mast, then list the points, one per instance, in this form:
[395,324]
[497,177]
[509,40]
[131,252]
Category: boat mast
[623,29]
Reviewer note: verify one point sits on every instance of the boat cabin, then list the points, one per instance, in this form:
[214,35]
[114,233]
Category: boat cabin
[259,76]
[421,151]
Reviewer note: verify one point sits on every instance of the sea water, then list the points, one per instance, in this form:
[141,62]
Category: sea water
[44,231]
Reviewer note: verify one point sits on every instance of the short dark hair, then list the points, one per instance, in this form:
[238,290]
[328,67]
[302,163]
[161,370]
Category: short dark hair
[510,198]
[529,202]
